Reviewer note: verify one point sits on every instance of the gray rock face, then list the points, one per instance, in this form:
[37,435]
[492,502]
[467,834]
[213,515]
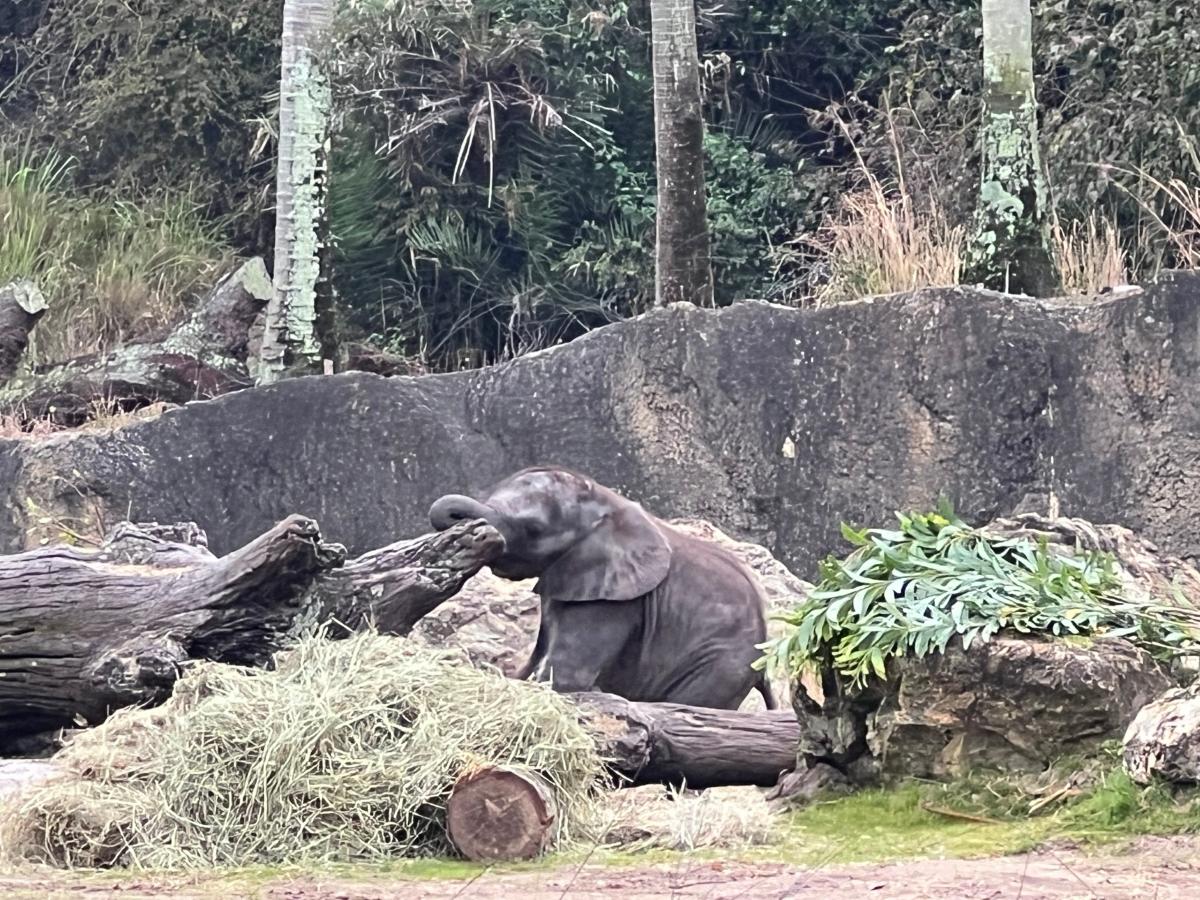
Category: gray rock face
[1010,704]
[1164,740]
[772,423]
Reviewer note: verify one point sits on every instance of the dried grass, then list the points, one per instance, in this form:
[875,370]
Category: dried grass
[651,818]
[882,240]
[103,416]
[1172,205]
[346,750]
[1089,256]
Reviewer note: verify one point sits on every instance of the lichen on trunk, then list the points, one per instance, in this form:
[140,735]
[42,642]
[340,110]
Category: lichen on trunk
[1010,249]
[296,335]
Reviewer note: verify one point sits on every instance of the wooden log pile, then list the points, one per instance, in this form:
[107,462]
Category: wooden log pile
[84,632]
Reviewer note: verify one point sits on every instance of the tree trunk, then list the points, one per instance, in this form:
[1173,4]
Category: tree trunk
[649,743]
[501,814]
[298,331]
[683,262]
[1011,246]
[204,356]
[21,305]
[86,632]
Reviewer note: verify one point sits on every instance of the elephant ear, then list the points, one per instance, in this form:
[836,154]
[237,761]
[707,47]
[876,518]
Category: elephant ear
[623,557]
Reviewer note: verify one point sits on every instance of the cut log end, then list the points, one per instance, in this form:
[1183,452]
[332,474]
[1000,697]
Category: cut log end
[499,814]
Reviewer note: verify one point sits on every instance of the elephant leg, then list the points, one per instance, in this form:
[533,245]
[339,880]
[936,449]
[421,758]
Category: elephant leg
[539,650]
[768,695]
[583,642]
[539,645]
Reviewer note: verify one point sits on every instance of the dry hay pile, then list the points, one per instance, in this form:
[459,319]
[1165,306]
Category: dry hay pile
[722,818]
[345,750]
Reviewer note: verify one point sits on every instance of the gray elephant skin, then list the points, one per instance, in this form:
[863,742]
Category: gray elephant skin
[629,605]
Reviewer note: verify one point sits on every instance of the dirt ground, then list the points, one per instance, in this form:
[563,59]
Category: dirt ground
[1159,868]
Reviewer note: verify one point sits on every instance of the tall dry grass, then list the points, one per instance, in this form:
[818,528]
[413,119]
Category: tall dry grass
[1089,255]
[112,270]
[881,241]
[1172,205]
[883,238]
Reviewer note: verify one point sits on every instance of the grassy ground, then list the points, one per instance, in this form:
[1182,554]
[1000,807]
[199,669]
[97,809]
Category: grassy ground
[912,821]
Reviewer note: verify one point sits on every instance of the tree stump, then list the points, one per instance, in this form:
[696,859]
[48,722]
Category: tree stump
[499,813]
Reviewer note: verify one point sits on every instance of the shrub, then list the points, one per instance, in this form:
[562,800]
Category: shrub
[911,591]
[152,97]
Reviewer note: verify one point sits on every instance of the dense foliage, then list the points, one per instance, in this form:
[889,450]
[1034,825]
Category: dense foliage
[151,97]
[511,200]
[494,186]
[910,591]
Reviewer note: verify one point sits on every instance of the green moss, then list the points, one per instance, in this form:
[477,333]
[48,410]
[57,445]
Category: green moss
[889,824]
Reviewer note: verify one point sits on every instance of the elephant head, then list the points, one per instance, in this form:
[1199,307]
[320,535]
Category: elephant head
[580,540]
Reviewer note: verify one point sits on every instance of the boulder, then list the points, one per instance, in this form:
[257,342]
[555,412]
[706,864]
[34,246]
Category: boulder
[775,424]
[1163,741]
[1014,702]
[1011,704]
[492,620]
[495,621]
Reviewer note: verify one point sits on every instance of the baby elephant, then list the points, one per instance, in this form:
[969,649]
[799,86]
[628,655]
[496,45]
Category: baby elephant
[630,605]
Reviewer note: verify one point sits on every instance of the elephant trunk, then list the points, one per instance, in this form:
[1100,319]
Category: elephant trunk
[454,508]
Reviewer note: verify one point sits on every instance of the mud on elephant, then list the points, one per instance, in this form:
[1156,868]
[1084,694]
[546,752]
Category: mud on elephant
[629,605]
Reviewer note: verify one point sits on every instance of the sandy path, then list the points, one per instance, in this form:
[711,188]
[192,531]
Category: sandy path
[1159,868]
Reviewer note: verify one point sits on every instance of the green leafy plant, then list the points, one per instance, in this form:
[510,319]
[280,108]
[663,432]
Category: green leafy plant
[911,591]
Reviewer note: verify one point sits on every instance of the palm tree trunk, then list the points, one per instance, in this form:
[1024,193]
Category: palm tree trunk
[1011,246]
[683,265]
[297,324]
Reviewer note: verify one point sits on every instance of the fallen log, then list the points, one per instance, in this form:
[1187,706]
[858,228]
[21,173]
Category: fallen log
[21,305]
[649,743]
[498,813]
[203,357]
[84,632]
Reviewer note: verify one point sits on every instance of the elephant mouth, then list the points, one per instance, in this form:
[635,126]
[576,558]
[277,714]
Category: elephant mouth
[514,570]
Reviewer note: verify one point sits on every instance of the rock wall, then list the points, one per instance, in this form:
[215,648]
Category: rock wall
[772,423]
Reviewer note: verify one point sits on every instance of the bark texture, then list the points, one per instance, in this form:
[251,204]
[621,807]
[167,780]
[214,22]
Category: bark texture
[86,632]
[1011,246]
[21,305]
[683,263]
[649,743]
[298,317]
